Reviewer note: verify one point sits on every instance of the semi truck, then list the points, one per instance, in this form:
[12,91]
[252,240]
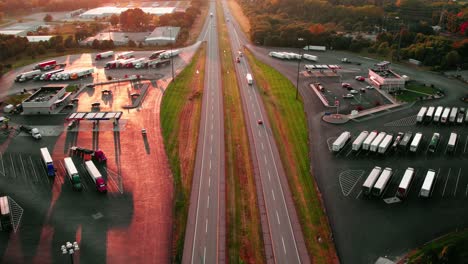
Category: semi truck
[123,63]
[132,64]
[104,55]
[434,142]
[156,54]
[406,140]
[376,142]
[48,162]
[46,65]
[169,53]
[316,48]
[72,173]
[278,55]
[452,143]
[126,55]
[428,183]
[445,115]
[81,73]
[385,144]
[25,76]
[421,114]
[46,76]
[453,115]
[310,57]
[96,176]
[97,155]
[405,183]
[357,143]
[370,180]
[249,79]
[382,182]
[340,142]
[34,132]
[158,63]
[5,214]
[369,139]
[429,114]
[438,113]
[416,142]
[112,64]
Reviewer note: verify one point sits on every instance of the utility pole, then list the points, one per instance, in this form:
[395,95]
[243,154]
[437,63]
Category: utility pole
[172,57]
[298,68]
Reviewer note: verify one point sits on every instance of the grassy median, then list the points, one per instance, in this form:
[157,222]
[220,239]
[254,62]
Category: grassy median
[180,122]
[244,237]
[288,121]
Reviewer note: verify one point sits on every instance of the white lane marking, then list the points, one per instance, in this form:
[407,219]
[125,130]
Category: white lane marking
[445,186]
[211,126]
[466,192]
[284,247]
[204,255]
[273,194]
[3,165]
[34,170]
[456,185]
[208,202]
[264,157]
[206,226]
[210,164]
[466,143]
[359,194]
[211,150]
[277,217]
[269,176]
[22,164]
[262,145]
[259,133]
[13,165]
[211,138]
[209,182]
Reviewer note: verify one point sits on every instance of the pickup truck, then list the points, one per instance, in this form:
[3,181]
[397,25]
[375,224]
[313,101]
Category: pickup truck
[31,130]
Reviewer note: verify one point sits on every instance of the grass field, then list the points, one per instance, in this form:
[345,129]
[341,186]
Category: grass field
[408,96]
[244,238]
[288,121]
[418,87]
[16,99]
[180,121]
[452,248]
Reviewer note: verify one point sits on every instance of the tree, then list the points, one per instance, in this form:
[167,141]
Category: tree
[452,58]
[48,18]
[69,42]
[114,20]
[131,44]
[134,19]
[95,44]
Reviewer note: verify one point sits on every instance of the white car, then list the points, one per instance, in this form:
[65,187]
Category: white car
[370,87]
[353,91]
[348,96]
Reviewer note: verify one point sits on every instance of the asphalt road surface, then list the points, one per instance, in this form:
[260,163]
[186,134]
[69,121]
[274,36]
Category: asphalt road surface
[286,239]
[205,235]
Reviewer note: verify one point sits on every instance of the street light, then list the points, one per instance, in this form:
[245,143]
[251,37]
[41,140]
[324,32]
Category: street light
[70,249]
[298,68]
[172,57]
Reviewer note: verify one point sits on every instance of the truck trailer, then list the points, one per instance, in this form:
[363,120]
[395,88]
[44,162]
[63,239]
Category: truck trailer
[386,142]
[96,176]
[452,143]
[370,180]
[77,74]
[366,144]
[429,113]
[316,48]
[276,54]
[382,182]
[25,76]
[421,114]
[376,142]
[249,79]
[132,64]
[5,214]
[46,65]
[434,142]
[310,57]
[126,55]
[453,115]
[416,142]
[156,54]
[340,142]
[72,173]
[445,115]
[48,162]
[169,53]
[428,183]
[46,76]
[357,143]
[104,55]
[405,183]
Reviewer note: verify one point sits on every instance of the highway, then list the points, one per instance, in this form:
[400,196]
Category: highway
[205,232]
[287,242]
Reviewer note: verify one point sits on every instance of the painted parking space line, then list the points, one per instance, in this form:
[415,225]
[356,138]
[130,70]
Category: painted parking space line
[359,194]
[456,184]
[466,192]
[34,170]
[446,181]
[13,166]
[3,166]
[466,143]
[22,165]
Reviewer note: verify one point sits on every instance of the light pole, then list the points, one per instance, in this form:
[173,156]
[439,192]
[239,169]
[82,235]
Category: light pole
[70,249]
[298,68]
[172,57]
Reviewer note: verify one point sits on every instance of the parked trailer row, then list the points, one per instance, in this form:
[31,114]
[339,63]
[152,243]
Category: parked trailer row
[5,214]
[378,180]
[93,172]
[443,115]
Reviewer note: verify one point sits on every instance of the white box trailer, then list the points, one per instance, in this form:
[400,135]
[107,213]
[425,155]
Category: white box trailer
[453,114]
[369,139]
[316,48]
[48,162]
[376,142]
[416,142]
[405,183]
[371,179]
[136,62]
[249,79]
[428,184]
[123,63]
[5,214]
[421,114]
[276,54]
[429,113]
[103,55]
[438,113]
[452,142]
[445,115]
[126,55]
[169,53]
[385,144]
[357,143]
[72,173]
[96,176]
[382,182]
[340,142]
[310,57]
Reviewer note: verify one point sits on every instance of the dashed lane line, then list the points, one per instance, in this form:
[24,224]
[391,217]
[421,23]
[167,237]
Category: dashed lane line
[273,194]
[445,186]
[456,184]
[13,166]
[277,217]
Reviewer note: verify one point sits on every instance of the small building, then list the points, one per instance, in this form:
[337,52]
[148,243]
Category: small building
[119,38]
[21,29]
[386,79]
[75,13]
[107,11]
[46,99]
[18,33]
[38,38]
[163,36]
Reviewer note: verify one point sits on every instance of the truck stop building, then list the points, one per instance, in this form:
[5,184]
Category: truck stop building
[163,36]
[386,79]
[46,99]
